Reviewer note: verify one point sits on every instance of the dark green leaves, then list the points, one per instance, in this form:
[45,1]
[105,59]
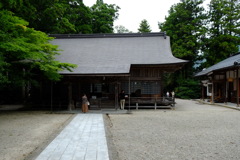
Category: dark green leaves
[223,31]
[144,27]
[25,52]
[103,17]
[65,16]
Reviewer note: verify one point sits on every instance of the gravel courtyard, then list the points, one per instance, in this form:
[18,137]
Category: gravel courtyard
[191,131]
[24,134]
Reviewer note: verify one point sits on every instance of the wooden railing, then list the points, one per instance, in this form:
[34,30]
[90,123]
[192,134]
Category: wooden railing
[166,101]
[156,102]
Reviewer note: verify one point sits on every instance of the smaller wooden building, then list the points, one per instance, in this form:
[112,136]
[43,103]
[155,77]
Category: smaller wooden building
[220,82]
[109,63]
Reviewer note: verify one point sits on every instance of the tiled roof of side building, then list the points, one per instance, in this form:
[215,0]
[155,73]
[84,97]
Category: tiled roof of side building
[114,53]
[227,63]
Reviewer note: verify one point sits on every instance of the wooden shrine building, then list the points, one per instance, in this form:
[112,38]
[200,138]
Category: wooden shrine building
[109,63]
[220,82]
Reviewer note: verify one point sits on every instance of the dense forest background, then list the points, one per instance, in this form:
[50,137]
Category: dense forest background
[204,36]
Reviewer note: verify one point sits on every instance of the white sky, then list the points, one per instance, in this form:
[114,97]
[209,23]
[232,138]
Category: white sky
[132,12]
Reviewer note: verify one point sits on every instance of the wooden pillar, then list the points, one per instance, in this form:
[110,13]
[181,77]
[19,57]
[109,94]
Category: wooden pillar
[24,89]
[226,87]
[202,91]
[116,95]
[129,93]
[51,96]
[237,87]
[212,89]
[24,92]
[69,96]
[40,100]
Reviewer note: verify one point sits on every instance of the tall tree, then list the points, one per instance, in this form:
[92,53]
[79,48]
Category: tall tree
[25,52]
[224,30]
[144,27]
[104,16]
[186,27]
[65,16]
[60,16]
[80,16]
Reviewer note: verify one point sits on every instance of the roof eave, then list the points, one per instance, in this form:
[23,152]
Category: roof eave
[96,74]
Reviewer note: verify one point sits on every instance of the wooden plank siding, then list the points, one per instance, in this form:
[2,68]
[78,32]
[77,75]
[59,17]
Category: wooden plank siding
[146,72]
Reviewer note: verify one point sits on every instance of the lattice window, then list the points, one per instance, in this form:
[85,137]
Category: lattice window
[146,87]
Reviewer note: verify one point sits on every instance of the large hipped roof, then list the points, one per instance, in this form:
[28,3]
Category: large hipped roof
[114,53]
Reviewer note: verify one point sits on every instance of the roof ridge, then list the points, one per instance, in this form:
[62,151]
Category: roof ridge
[109,35]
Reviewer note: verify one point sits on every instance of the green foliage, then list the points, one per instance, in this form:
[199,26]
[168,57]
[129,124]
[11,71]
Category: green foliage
[103,17]
[200,36]
[64,16]
[144,27]
[185,26]
[82,18]
[121,29]
[168,81]
[25,52]
[224,31]
[188,89]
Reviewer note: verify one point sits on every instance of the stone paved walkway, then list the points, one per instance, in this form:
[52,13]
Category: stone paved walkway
[82,139]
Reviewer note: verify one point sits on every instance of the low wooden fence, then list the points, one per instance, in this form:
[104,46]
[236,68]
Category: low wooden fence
[156,101]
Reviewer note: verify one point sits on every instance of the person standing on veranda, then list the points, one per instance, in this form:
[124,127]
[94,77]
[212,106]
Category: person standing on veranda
[122,99]
[84,103]
[167,94]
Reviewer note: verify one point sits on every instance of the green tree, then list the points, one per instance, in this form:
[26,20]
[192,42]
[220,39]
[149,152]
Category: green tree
[223,32]
[64,16]
[104,16]
[144,27]
[81,16]
[189,89]
[121,29]
[61,16]
[25,52]
[186,25]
